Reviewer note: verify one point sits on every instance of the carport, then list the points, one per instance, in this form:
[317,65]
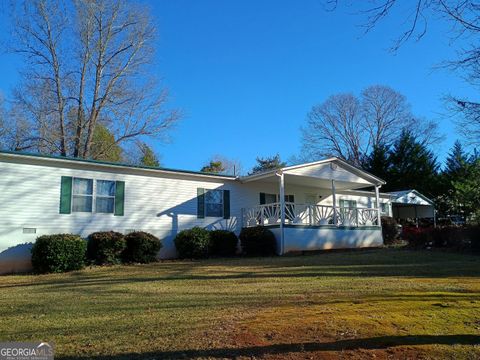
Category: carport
[410,204]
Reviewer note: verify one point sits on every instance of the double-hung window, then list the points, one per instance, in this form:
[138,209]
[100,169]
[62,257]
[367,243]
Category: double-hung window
[105,197]
[82,195]
[214,203]
[88,195]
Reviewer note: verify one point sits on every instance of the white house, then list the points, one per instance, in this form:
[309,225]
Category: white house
[308,207]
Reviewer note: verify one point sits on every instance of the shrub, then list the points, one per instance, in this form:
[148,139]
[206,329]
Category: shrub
[474,237]
[258,240]
[223,243]
[389,230]
[417,237]
[58,253]
[193,243]
[141,247]
[105,247]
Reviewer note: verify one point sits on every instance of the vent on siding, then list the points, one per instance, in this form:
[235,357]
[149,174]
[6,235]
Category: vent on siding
[29,230]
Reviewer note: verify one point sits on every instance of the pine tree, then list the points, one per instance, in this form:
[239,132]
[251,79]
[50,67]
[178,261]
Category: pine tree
[378,162]
[214,167]
[103,145]
[148,157]
[413,166]
[268,163]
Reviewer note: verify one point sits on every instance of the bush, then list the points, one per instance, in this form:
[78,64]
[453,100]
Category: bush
[58,253]
[417,237]
[105,247]
[389,230]
[141,247]
[474,237]
[223,243]
[193,243]
[258,241]
[449,237]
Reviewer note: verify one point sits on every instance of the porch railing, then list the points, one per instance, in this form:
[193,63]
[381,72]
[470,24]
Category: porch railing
[304,214]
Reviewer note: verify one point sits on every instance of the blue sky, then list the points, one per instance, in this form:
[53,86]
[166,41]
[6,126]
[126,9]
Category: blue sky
[245,73]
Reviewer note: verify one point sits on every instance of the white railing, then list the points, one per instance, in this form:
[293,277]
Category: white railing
[303,214]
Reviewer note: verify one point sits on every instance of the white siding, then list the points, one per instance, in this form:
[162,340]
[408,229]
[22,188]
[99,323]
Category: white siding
[159,203]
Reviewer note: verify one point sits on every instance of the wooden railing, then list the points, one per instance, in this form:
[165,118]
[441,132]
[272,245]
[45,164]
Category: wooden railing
[304,214]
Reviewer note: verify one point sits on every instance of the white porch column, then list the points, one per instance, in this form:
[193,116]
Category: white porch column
[334,201]
[282,210]
[377,199]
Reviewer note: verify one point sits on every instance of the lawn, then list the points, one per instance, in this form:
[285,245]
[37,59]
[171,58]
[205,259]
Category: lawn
[387,303]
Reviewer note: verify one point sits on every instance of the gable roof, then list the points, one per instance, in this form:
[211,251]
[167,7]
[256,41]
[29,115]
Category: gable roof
[406,196]
[56,158]
[357,171]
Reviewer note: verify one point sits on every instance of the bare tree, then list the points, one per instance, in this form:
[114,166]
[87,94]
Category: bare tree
[225,165]
[463,16]
[90,60]
[334,127]
[350,127]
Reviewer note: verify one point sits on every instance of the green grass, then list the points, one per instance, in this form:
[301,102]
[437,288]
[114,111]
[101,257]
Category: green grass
[387,302]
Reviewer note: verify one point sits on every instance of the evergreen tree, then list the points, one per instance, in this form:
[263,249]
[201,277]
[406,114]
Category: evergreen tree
[268,163]
[104,147]
[466,191]
[412,166]
[148,157]
[214,167]
[378,162]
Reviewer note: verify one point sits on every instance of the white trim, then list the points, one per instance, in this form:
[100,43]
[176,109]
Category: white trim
[361,173]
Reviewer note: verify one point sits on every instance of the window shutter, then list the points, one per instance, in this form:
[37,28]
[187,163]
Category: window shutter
[66,195]
[262,198]
[119,198]
[226,204]
[200,203]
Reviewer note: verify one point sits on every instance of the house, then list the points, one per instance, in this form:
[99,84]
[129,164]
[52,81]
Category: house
[319,205]
[411,205]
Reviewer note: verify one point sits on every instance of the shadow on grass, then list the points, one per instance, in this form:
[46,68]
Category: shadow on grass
[376,343]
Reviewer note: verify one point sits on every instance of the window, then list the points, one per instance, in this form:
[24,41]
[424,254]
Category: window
[82,195]
[105,199]
[384,208]
[348,204]
[270,198]
[214,203]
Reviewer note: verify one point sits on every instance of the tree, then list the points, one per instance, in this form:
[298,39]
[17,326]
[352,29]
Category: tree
[148,157]
[349,127]
[378,162]
[463,16]
[412,166]
[220,164]
[267,164]
[104,146]
[466,192]
[214,167]
[90,59]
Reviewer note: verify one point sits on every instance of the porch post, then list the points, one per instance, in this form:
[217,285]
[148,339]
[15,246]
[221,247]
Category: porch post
[282,210]
[334,200]
[377,199]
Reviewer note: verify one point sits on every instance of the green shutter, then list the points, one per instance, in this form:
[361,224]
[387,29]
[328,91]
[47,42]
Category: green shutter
[262,198]
[119,198]
[66,195]
[226,204]
[200,203]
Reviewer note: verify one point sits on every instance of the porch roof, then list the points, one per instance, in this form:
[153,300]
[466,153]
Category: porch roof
[320,174]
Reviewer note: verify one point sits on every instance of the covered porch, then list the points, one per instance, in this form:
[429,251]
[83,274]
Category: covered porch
[323,220]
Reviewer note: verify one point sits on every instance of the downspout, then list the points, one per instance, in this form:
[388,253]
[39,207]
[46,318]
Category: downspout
[279,173]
